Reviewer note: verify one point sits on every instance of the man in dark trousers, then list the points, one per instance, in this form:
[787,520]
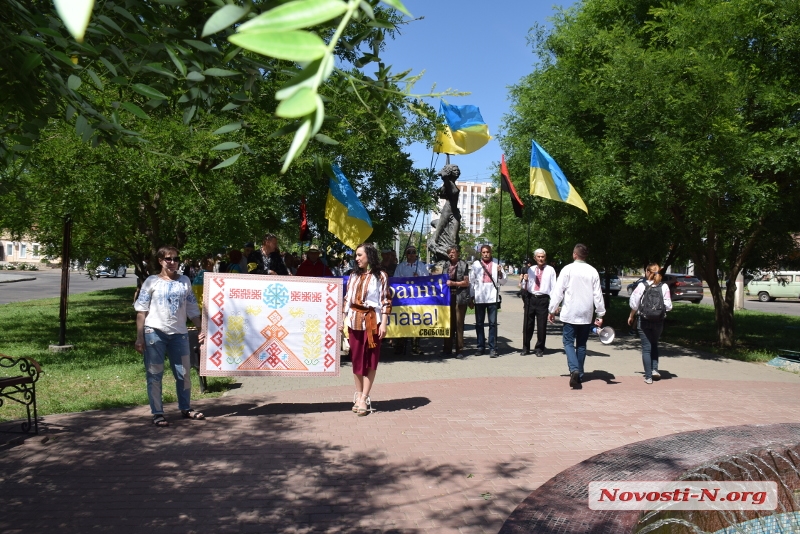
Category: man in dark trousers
[539,281]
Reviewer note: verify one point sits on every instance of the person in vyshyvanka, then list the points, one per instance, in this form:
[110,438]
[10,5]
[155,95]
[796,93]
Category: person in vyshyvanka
[165,301]
[367,306]
[267,259]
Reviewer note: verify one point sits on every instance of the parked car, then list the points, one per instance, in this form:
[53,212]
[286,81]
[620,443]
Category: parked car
[632,285]
[684,287]
[782,284]
[112,268]
[616,284]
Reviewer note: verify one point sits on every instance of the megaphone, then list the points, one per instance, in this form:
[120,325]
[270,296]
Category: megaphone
[606,334]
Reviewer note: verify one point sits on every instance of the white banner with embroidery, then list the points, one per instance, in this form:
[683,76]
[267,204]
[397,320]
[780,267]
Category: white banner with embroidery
[271,325]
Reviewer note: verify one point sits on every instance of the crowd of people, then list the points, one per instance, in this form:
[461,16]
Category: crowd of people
[166,300]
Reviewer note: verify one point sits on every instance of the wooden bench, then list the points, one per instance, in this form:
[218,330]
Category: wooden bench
[18,383]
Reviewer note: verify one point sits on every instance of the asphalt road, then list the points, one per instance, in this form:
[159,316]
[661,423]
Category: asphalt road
[782,306]
[48,284]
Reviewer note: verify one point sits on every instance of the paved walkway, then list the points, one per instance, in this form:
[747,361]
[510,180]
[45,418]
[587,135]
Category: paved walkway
[455,446]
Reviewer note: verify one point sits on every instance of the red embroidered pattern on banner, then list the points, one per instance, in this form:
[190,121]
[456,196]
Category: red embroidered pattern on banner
[219,299]
[331,288]
[305,296]
[216,358]
[217,318]
[217,338]
[329,341]
[330,322]
[220,282]
[329,360]
[244,294]
[330,304]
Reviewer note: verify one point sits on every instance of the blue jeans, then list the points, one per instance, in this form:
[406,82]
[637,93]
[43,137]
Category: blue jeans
[156,343]
[649,332]
[480,315]
[575,337]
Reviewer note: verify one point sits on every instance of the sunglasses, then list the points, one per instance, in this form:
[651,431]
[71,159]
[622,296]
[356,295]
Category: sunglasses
[175,259]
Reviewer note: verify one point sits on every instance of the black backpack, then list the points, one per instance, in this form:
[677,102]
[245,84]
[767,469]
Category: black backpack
[651,307]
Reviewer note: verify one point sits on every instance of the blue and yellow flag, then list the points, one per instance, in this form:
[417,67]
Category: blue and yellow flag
[465,131]
[347,218]
[548,180]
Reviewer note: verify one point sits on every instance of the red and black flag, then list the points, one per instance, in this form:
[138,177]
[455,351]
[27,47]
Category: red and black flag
[508,187]
[305,234]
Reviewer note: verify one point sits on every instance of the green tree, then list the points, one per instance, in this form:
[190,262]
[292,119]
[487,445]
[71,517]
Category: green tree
[679,119]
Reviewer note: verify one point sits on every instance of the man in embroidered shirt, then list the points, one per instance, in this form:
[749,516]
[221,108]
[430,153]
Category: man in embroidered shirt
[539,281]
[578,286]
[484,277]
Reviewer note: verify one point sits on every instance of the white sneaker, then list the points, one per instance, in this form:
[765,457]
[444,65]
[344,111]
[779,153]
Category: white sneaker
[648,380]
[656,375]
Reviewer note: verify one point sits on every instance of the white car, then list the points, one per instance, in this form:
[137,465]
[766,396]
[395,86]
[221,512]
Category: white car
[112,269]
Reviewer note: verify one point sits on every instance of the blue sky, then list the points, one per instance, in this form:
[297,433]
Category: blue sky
[466,45]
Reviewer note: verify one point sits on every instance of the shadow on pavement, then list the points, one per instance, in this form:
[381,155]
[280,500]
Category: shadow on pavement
[297,408]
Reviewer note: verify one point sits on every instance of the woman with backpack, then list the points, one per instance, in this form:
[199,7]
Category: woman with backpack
[649,304]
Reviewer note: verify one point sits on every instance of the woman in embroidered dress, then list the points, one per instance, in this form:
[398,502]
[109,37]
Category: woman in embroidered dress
[165,301]
[366,310]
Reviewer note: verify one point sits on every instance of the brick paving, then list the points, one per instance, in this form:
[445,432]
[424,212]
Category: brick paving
[455,446]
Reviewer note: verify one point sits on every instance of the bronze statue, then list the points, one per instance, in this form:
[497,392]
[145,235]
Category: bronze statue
[449,224]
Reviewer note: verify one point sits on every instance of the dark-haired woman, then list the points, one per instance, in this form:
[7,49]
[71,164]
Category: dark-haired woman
[649,331]
[164,303]
[366,308]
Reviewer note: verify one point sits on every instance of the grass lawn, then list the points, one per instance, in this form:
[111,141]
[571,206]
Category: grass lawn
[103,371]
[759,336]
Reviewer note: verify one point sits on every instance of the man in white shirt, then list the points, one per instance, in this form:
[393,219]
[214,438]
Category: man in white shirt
[410,268]
[539,281]
[578,286]
[484,277]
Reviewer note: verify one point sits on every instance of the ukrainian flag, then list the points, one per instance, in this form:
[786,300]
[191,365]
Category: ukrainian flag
[465,131]
[548,180]
[347,218]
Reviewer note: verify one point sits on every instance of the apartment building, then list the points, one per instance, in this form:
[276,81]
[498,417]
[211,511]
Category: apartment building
[22,251]
[470,203]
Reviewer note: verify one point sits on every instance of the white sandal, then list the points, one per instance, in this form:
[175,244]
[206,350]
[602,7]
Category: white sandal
[361,412]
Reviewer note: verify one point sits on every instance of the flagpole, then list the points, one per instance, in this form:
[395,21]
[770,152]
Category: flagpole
[500,224]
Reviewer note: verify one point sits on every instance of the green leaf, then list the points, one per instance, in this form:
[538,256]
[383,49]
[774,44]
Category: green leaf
[73,82]
[298,144]
[230,145]
[184,98]
[95,79]
[189,114]
[296,15]
[200,45]
[291,46]
[176,61]
[136,110]
[81,124]
[298,105]
[108,65]
[31,40]
[174,3]
[195,76]
[149,92]
[398,5]
[228,162]
[158,69]
[222,18]
[110,23]
[232,127]
[229,106]
[30,62]
[220,72]
[230,54]
[322,138]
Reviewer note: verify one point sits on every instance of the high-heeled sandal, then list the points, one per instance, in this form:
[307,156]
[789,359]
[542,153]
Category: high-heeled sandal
[364,411]
[356,395]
